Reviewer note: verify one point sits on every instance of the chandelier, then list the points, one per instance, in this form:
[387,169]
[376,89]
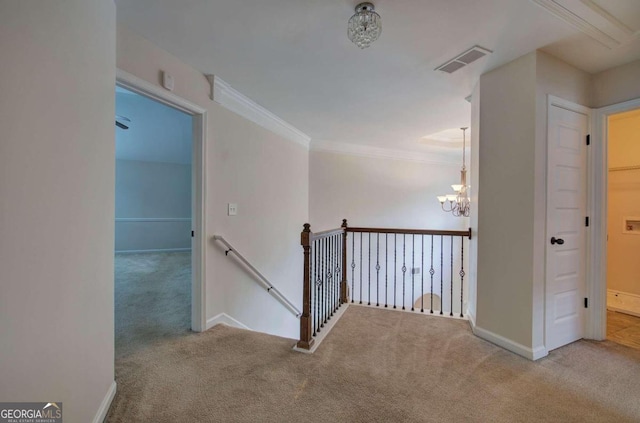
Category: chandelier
[459,203]
[365,26]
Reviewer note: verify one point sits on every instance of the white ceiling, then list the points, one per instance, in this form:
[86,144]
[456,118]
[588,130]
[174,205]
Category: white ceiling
[294,58]
[157,133]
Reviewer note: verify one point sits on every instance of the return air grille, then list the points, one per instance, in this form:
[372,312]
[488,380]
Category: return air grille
[462,60]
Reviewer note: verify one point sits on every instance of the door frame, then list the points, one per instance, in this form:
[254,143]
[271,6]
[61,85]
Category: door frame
[198,185]
[597,260]
[553,101]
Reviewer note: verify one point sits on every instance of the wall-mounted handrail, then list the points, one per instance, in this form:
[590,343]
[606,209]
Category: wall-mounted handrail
[263,280]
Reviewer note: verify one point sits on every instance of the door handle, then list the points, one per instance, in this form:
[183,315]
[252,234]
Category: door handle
[555,240]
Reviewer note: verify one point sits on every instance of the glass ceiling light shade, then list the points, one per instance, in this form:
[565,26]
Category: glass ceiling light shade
[365,26]
[459,203]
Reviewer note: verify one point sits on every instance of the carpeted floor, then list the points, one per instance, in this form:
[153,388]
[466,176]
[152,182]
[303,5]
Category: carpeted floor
[375,366]
[152,299]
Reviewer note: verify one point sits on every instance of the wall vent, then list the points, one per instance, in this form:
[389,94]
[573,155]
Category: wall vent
[462,60]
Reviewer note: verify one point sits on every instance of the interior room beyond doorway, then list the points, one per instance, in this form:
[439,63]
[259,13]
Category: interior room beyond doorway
[623,229]
[153,263]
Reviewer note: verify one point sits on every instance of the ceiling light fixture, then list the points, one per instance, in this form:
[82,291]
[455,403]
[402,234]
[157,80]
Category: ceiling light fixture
[365,26]
[459,203]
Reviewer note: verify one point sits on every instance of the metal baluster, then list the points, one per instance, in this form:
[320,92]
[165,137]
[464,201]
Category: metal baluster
[329,282]
[441,270]
[413,266]
[330,278]
[422,277]
[386,270]
[313,291]
[318,284]
[451,309]
[378,269]
[326,280]
[395,264]
[369,270]
[336,279]
[322,287]
[432,272]
[327,273]
[404,265]
[361,235]
[353,265]
[339,271]
[461,275]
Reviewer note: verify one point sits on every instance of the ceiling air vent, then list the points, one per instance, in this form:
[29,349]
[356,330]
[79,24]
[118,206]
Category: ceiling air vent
[462,60]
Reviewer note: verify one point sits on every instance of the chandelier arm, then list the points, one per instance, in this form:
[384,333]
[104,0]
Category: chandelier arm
[449,209]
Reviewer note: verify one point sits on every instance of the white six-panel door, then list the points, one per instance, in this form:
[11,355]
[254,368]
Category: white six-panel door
[566,232]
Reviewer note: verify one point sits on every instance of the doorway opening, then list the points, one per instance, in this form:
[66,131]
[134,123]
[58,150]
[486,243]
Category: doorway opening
[153,222]
[160,225]
[623,228]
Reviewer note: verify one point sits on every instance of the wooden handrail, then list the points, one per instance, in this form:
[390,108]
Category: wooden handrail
[466,233]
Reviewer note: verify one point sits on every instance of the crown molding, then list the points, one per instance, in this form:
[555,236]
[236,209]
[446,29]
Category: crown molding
[385,153]
[231,99]
[593,20]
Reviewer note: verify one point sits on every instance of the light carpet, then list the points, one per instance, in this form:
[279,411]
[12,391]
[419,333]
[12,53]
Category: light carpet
[375,366]
[152,299]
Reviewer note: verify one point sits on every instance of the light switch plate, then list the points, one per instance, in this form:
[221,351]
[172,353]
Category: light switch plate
[232,209]
[167,81]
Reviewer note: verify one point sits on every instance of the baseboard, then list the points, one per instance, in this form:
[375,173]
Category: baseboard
[472,319]
[317,340]
[225,319]
[623,302]
[508,344]
[106,403]
[165,250]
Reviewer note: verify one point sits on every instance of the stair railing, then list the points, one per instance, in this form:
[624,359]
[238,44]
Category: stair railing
[325,283]
[387,269]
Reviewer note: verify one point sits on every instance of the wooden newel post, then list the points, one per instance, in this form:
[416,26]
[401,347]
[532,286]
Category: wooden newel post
[306,338]
[343,284]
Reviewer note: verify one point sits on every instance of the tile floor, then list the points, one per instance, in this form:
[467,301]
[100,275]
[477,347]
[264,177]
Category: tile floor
[623,329]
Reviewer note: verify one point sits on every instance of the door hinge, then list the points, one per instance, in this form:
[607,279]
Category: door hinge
[586,221]
[586,303]
[588,139]
[192,234]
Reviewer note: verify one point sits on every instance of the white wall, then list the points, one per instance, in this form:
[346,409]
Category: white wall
[512,159]
[56,214]
[505,226]
[389,193]
[616,85]
[265,174]
[153,206]
[379,192]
